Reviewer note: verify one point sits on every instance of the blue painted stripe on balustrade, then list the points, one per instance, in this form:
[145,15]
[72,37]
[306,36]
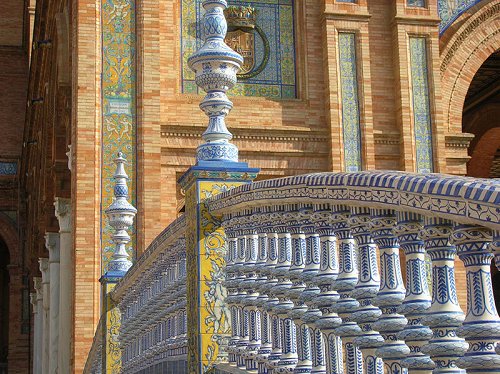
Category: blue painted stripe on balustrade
[483,192]
[8,168]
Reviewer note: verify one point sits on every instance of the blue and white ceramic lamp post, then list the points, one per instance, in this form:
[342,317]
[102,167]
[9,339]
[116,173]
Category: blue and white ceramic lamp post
[215,65]
[121,216]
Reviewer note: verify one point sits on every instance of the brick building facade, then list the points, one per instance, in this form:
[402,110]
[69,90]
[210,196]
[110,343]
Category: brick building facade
[374,84]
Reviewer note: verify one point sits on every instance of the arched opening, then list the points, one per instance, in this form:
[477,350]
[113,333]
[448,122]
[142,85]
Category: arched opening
[480,117]
[4,306]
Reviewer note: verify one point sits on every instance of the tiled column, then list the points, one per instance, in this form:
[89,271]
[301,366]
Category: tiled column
[217,169]
[52,244]
[63,214]
[44,268]
[38,325]
[419,115]
[207,311]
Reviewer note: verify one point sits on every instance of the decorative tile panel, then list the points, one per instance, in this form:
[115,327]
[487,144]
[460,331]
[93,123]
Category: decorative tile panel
[450,10]
[208,322]
[8,168]
[421,104]
[118,102]
[350,101]
[112,321]
[272,44]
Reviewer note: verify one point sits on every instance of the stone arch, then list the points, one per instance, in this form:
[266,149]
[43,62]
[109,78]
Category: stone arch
[483,154]
[465,48]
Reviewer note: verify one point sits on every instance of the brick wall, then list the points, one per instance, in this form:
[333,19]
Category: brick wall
[280,137]
[14,85]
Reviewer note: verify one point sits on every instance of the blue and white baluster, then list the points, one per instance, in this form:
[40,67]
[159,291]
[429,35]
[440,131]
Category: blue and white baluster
[312,291]
[239,266]
[254,315]
[345,283]
[231,285]
[288,359]
[325,278]
[366,290]
[391,293]
[272,259]
[445,315]
[417,300]
[260,284]
[495,247]
[481,328]
[298,238]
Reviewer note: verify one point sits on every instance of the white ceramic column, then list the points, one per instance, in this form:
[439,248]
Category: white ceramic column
[63,214]
[37,324]
[52,244]
[44,268]
[35,311]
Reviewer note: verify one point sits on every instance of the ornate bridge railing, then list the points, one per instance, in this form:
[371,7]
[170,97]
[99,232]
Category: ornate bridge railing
[152,301]
[315,268]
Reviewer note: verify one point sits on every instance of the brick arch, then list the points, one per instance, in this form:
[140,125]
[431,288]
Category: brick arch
[483,154]
[465,49]
[8,233]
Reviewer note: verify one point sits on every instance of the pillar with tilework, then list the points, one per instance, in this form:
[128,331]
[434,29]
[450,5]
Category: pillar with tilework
[217,169]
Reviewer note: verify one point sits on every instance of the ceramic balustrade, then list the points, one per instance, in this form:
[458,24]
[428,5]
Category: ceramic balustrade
[152,300]
[311,246]
[304,288]
[94,359]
